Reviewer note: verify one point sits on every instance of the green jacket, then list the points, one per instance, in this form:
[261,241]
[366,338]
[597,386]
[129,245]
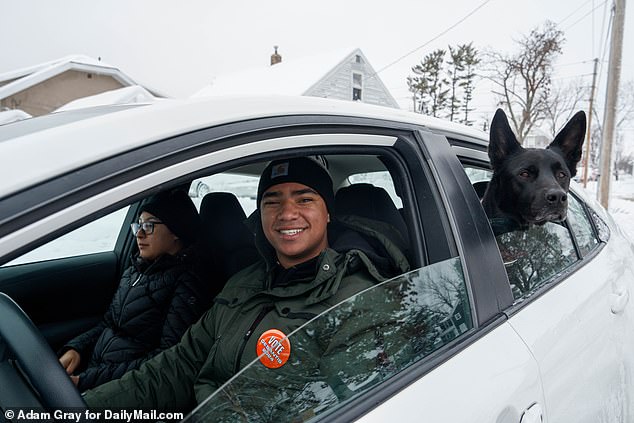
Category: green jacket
[224,340]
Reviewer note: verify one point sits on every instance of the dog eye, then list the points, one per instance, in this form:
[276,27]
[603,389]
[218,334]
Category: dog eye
[561,174]
[525,174]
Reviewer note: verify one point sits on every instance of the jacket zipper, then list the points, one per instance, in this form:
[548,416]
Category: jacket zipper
[125,298]
[267,308]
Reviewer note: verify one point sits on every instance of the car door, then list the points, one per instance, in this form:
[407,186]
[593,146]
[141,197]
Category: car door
[465,354]
[577,324]
[66,284]
[571,290]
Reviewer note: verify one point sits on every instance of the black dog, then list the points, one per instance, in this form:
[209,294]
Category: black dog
[530,185]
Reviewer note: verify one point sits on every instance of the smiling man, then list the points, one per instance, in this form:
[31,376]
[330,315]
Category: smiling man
[295,198]
[302,273]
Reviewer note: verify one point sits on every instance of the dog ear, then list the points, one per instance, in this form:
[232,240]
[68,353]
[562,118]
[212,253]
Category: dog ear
[502,141]
[569,141]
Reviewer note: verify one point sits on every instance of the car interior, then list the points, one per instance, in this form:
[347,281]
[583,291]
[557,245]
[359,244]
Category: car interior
[74,285]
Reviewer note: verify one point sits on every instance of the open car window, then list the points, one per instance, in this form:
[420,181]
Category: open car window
[347,350]
[535,256]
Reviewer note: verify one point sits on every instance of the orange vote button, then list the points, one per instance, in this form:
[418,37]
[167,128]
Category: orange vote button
[273,348]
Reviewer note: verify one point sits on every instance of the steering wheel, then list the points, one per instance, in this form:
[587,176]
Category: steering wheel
[36,358]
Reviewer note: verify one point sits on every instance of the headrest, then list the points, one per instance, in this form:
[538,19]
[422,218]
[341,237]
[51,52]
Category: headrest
[222,216]
[371,202]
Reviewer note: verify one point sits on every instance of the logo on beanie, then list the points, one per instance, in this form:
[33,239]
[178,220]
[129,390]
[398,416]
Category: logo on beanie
[279,170]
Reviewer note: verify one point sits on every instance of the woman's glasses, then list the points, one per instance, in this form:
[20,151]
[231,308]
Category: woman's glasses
[148,227]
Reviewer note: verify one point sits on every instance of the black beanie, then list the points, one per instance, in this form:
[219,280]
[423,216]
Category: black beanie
[301,170]
[177,211]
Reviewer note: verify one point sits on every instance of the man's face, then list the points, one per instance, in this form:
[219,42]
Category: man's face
[294,219]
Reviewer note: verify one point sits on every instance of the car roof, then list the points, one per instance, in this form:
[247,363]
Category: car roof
[41,148]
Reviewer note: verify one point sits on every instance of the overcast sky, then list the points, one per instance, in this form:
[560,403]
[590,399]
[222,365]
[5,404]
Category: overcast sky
[178,47]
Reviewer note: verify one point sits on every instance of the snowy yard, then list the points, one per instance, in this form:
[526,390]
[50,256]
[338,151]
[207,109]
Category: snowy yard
[621,203]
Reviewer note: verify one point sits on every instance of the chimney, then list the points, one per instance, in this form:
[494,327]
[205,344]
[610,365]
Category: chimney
[275,58]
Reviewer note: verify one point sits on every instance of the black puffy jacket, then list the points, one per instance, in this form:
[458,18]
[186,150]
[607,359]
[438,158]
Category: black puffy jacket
[153,306]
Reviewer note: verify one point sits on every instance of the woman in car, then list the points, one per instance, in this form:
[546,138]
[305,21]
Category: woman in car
[159,296]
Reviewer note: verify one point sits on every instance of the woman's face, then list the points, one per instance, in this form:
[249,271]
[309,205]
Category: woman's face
[160,241]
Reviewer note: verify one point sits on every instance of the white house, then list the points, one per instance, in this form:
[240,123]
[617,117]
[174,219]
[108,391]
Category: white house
[537,138]
[40,89]
[344,75]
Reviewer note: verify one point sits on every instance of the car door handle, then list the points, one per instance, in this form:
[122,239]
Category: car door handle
[532,414]
[618,301]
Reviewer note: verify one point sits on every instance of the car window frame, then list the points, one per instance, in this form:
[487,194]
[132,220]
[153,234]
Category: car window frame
[479,158]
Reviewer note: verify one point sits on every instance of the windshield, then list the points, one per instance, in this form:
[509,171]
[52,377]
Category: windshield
[347,350]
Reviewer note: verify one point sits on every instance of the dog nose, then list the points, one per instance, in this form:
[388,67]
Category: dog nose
[555,196]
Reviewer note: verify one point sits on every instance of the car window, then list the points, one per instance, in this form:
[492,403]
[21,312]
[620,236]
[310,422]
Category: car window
[349,349]
[477,174]
[97,236]
[581,226]
[245,188]
[533,257]
[380,179]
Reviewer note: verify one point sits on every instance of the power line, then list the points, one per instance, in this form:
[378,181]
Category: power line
[604,49]
[584,16]
[433,39]
[573,12]
[572,63]
[580,75]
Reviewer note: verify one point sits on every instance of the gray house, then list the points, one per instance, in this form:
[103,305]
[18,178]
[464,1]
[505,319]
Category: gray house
[344,75]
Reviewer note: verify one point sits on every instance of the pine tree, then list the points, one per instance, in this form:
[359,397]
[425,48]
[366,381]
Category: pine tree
[445,88]
[455,71]
[428,84]
[467,83]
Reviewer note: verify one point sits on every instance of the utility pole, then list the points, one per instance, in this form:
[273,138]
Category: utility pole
[614,75]
[589,130]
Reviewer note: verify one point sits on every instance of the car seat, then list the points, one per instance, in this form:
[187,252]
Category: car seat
[480,187]
[227,239]
[370,202]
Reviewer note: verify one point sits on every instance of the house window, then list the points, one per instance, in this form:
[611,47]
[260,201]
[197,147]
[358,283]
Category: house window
[357,85]
[358,59]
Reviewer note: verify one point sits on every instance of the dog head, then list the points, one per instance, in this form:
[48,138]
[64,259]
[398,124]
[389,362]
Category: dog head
[530,185]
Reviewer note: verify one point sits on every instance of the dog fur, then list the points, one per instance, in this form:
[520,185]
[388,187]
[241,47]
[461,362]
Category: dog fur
[530,185]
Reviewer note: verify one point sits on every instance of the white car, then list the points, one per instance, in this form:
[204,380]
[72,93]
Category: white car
[540,335]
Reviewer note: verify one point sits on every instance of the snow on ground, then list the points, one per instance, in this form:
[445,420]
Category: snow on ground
[620,203]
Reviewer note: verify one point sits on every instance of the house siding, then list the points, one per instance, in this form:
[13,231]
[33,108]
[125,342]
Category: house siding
[338,84]
[48,95]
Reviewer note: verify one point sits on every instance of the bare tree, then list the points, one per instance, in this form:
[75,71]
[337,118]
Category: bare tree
[624,115]
[563,101]
[524,79]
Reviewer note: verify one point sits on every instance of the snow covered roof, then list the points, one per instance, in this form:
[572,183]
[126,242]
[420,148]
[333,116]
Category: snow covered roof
[21,79]
[14,115]
[289,77]
[125,95]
